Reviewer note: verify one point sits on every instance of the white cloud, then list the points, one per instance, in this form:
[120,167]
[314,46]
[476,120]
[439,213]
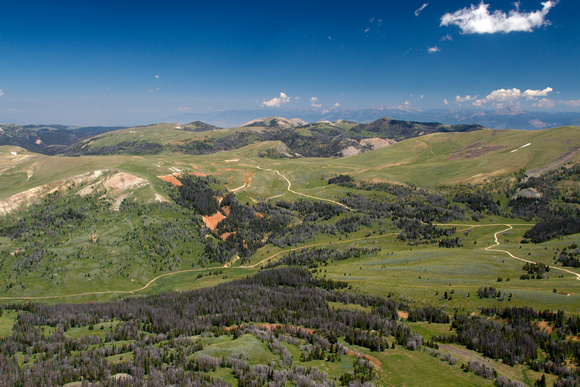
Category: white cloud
[467,98]
[545,103]
[422,96]
[478,19]
[336,104]
[573,102]
[153,90]
[276,101]
[157,77]
[531,94]
[329,37]
[502,97]
[367,30]
[511,95]
[447,37]
[313,102]
[446,102]
[433,50]
[2,94]
[183,108]
[417,12]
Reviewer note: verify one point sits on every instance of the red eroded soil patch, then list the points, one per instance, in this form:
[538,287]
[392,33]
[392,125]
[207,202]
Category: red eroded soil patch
[227,210]
[225,235]
[170,179]
[402,314]
[258,215]
[211,222]
[199,174]
[545,325]
[376,362]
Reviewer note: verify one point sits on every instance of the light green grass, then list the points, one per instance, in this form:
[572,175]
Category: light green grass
[247,345]
[6,322]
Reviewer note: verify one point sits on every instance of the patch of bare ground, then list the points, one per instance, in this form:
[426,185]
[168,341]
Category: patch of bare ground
[474,150]
[572,153]
[232,261]
[123,181]
[544,325]
[212,221]
[377,143]
[160,198]
[225,235]
[374,361]
[32,195]
[480,177]
[402,314]
[171,179]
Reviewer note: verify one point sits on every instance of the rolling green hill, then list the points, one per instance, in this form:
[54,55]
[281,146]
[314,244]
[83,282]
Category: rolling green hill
[318,139]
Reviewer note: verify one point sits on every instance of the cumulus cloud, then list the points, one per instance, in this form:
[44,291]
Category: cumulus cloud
[2,94]
[336,104]
[478,19]
[573,102]
[503,97]
[545,103]
[446,102]
[447,37]
[511,95]
[467,98]
[313,102]
[531,94]
[418,11]
[157,77]
[276,101]
[433,50]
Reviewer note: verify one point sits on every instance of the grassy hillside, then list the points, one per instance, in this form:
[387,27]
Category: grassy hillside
[91,236]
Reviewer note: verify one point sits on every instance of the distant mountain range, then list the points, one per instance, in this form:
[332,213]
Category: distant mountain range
[506,118]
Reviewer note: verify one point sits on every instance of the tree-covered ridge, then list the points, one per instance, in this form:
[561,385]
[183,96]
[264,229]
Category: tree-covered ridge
[47,139]
[156,335]
[399,130]
[519,339]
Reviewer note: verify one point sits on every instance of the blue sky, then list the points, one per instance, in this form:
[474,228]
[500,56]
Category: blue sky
[123,62]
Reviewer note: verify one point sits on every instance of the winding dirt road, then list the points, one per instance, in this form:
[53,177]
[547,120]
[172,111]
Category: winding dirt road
[491,248]
[227,265]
